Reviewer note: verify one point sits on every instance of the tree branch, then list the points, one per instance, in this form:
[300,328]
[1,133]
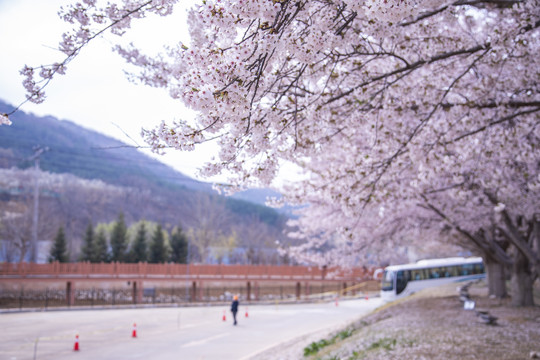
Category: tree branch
[491,249]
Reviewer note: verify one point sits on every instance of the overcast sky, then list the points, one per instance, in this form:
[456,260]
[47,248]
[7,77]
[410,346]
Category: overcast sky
[95,92]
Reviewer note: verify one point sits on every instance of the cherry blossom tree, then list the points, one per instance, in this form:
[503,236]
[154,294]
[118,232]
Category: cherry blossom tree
[420,113]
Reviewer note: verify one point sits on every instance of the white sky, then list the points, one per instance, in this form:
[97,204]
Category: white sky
[95,92]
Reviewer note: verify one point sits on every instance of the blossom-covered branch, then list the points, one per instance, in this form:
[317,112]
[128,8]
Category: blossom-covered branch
[380,103]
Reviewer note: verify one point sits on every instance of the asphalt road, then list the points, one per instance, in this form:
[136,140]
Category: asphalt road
[169,333]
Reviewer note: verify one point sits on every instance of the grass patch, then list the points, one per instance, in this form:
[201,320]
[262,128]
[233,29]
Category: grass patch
[316,346]
[384,343]
[342,335]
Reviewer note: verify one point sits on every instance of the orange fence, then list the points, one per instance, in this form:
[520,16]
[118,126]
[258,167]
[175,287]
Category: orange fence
[193,271]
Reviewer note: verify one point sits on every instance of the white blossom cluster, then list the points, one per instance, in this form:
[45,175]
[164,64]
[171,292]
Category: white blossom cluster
[411,106]
[4,119]
[19,178]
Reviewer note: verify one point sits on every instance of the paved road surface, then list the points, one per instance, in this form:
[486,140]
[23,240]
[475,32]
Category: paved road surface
[168,333]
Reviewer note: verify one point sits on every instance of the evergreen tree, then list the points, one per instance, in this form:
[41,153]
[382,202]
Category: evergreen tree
[139,251]
[59,248]
[88,246]
[158,251]
[119,239]
[179,246]
[100,249]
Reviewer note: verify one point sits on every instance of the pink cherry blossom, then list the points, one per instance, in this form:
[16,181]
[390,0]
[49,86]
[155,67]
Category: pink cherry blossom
[426,109]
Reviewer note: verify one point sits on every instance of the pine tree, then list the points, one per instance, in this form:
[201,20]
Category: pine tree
[100,248]
[179,245]
[88,246]
[119,239]
[139,251]
[59,248]
[158,251]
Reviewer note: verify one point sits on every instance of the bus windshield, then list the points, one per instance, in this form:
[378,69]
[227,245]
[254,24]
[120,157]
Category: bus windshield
[388,281]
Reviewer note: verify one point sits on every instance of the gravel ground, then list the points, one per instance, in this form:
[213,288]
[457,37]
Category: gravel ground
[428,325]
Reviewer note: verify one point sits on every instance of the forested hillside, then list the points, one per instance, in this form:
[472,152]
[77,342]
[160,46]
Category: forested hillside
[84,153]
[88,177]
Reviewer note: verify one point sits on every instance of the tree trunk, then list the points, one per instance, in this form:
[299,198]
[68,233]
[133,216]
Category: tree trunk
[522,281]
[496,278]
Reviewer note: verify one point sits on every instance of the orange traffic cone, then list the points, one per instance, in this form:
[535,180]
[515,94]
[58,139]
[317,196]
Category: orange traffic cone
[134,333]
[247,312]
[224,317]
[76,346]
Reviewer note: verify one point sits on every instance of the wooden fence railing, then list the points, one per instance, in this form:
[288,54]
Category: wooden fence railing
[196,271]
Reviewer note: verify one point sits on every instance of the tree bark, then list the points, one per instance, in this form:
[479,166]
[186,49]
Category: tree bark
[522,281]
[496,278]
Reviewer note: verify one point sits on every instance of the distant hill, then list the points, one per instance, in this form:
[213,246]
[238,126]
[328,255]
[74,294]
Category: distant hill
[85,153]
[90,155]
[144,188]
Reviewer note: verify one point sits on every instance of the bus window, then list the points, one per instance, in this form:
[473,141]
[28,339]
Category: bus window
[478,268]
[417,274]
[466,269]
[445,271]
[434,273]
[454,270]
[407,274]
[401,281]
[388,281]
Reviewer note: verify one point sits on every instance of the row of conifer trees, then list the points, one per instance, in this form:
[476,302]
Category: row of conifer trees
[146,246]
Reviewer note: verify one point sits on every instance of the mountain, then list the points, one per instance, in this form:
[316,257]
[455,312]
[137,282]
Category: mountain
[90,155]
[84,153]
[143,188]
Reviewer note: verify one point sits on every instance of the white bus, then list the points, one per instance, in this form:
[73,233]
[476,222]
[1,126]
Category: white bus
[403,280]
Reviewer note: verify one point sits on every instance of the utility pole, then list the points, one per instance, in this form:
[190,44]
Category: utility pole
[187,271]
[38,150]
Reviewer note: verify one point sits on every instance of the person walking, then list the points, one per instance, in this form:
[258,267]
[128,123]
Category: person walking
[234,308]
